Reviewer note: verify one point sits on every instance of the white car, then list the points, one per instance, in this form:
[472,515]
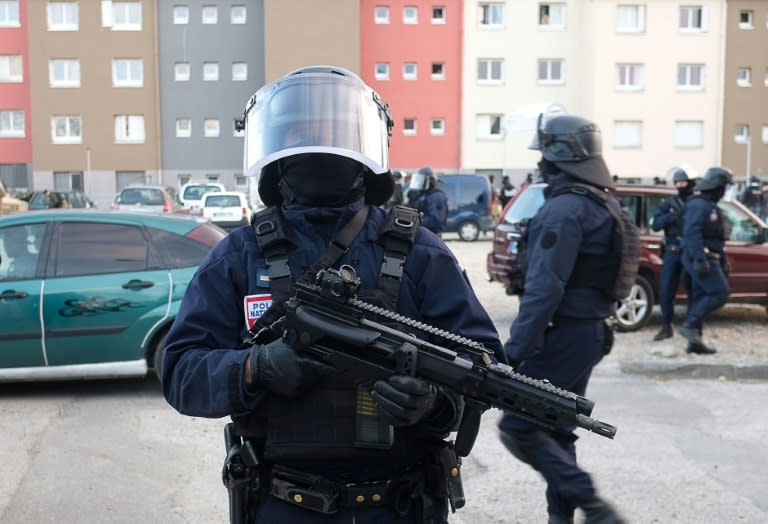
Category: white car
[226,209]
[191,193]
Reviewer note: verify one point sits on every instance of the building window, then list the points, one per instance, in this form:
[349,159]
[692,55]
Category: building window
[410,15]
[64,72]
[765,134]
[765,77]
[410,71]
[66,130]
[409,126]
[126,16]
[68,180]
[239,71]
[627,134]
[238,15]
[745,19]
[9,13]
[741,134]
[210,71]
[552,15]
[382,71]
[438,71]
[11,68]
[180,14]
[490,71]
[12,123]
[437,127]
[744,77]
[690,77]
[127,72]
[491,14]
[181,71]
[183,127]
[239,133]
[630,77]
[63,16]
[438,14]
[551,72]
[211,127]
[689,134]
[630,18]
[488,126]
[210,14]
[381,14]
[692,18]
[129,129]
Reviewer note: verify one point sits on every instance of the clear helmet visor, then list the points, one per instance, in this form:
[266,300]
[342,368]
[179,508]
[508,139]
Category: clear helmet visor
[316,113]
[418,181]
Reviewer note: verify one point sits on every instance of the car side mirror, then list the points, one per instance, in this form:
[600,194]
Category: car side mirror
[762,235]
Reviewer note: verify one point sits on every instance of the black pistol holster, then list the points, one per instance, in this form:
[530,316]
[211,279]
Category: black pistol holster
[241,475]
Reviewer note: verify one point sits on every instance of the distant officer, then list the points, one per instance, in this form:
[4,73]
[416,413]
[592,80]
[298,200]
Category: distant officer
[560,332]
[705,230]
[752,196]
[668,218]
[508,190]
[429,199]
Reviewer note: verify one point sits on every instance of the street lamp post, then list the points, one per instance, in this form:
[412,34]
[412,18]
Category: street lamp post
[749,158]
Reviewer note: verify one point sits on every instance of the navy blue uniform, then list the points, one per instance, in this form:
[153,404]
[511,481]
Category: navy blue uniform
[705,230]
[434,206]
[560,335]
[212,321]
[669,218]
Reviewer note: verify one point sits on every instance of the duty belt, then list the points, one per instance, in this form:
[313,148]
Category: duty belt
[672,248]
[318,494]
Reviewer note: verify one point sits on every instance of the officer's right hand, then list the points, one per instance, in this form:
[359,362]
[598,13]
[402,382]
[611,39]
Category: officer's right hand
[281,369]
[701,267]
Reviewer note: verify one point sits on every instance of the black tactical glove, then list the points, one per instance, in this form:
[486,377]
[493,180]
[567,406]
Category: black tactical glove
[673,219]
[701,267]
[281,369]
[405,400]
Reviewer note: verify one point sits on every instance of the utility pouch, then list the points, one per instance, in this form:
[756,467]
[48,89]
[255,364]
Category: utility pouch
[444,476]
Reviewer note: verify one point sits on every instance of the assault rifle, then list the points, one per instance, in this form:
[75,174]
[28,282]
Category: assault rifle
[326,320]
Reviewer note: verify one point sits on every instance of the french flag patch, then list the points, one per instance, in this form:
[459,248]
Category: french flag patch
[255,306]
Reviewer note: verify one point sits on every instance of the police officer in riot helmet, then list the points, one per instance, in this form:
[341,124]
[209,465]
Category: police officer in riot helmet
[328,449]
[397,193]
[560,332]
[426,196]
[705,230]
[668,218]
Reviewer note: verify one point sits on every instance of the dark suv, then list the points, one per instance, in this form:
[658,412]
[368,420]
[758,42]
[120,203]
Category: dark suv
[469,205]
[747,249]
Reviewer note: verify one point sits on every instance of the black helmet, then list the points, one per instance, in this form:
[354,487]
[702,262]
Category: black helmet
[715,178]
[423,179]
[680,176]
[397,175]
[754,181]
[324,110]
[575,145]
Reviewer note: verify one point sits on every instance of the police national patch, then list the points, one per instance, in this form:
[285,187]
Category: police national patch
[255,306]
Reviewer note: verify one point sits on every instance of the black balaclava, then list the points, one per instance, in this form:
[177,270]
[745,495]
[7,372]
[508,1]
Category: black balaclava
[714,194]
[686,191]
[320,179]
[547,169]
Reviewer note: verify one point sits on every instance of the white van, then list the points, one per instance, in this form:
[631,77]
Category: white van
[192,193]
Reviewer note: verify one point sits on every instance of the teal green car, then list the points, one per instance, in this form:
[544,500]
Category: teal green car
[91,294]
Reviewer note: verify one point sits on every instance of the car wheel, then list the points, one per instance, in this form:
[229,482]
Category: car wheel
[633,312]
[468,231]
[157,356]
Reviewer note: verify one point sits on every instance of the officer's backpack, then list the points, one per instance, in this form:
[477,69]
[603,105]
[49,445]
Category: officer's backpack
[615,280]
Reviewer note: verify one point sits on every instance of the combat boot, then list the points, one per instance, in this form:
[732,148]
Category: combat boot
[666,331]
[691,334]
[600,512]
[700,349]
[557,518]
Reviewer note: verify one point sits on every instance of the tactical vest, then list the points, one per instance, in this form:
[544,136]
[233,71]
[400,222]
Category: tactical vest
[719,229]
[337,420]
[614,274]
[675,230]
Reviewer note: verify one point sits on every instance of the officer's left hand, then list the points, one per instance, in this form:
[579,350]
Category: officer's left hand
[405,400]
[701,267]
[727,267]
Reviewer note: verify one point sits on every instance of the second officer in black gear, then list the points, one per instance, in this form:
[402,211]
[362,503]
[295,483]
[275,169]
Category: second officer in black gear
[330,450]
[426,197]
[669,218]
[705,230]
[560,332]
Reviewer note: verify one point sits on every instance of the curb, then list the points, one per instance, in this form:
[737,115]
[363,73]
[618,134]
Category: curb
[695,370]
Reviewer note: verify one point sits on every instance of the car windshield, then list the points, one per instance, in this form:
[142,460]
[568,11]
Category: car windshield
[525,206]
[222,201]
[149,197]
[197,192]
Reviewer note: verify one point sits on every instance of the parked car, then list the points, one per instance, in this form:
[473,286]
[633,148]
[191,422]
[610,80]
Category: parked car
[469,205]
[153,199]
[747,249]
[192,193]
[91,294]
[75,199]
[227,209]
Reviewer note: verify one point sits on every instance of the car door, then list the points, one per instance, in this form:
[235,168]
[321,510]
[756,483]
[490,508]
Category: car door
[20,284]
[105,290]
[747,253]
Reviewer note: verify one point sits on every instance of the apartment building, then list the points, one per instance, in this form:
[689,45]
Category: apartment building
[745,98]
[15,105]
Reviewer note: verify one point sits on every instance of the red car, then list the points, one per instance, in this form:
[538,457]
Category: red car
[747,249]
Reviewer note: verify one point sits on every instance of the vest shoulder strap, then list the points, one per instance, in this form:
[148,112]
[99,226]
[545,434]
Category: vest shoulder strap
[396,235]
